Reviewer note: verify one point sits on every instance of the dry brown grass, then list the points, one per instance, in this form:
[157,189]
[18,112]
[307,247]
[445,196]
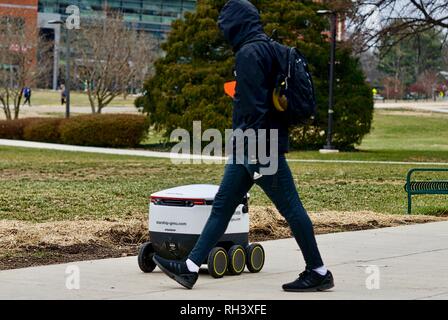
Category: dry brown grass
[20,235]
[267,223]
[25,244]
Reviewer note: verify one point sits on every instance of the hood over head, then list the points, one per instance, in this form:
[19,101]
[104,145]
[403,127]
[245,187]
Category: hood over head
[239,21]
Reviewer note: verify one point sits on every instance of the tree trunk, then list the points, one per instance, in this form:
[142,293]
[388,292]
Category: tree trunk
[7,113]
[17,110]
[91,100]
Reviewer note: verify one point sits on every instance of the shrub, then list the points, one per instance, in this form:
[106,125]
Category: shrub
[14,129]
[99,130]
[118,130]
[43,130]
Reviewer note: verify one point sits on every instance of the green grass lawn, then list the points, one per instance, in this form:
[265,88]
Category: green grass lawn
[408,132]
[39,185]
[398,136]
[47,185]
[78,99]
[395,136]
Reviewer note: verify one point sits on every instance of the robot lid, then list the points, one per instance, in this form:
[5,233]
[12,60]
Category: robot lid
[193,191]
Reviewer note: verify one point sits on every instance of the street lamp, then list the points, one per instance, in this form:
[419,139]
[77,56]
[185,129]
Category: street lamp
[67,65]
[329,148]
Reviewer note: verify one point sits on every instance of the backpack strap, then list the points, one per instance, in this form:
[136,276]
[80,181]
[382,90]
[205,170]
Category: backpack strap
[267,40]
[256,39]
[276,75]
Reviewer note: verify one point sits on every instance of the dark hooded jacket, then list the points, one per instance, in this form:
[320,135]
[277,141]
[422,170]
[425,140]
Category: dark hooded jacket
[255,65]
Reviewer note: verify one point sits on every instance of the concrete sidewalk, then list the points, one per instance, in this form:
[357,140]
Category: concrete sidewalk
[112,151]
[427,106]
[52,110]
[411,260]
[179,156]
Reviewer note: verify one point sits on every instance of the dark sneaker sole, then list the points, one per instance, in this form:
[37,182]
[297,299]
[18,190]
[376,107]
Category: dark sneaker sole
[323,287]
[173,276]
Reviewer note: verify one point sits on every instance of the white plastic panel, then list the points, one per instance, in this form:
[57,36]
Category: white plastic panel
[191,220]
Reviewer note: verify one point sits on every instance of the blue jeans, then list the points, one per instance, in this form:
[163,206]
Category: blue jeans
[280,189]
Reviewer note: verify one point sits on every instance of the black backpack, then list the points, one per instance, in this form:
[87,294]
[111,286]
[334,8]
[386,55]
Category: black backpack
[293,84]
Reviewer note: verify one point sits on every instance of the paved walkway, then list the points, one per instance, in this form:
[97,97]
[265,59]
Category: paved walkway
[113,151]
[431,106]
[410,262]
[51,111]
[176,156]
[39,111]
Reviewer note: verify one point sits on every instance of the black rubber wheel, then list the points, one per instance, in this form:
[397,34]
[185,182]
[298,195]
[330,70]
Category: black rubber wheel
[217,262]
[237,260]
[145,255]
[255,257]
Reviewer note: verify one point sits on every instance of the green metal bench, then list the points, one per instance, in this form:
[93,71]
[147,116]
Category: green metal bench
[424,187]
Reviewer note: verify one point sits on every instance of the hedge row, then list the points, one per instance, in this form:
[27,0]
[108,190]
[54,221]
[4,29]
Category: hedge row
[111,130]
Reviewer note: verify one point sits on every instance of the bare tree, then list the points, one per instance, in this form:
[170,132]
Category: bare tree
[377,23]
[393,88]
[18,63]
[370,65]
[427,83]
[111,58]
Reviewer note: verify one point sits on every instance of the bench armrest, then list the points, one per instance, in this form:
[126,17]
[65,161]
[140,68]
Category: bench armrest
[410,172]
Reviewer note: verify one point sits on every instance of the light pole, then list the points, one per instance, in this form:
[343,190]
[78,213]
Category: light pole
[67,64]
[329,148]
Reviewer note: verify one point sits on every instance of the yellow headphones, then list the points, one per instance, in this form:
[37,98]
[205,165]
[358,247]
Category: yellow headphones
[279,99]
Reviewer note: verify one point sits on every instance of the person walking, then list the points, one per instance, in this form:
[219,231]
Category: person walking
[253,108]
[63,95]
[27,96]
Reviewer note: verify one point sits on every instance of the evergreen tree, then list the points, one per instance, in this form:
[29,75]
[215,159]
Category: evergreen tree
[188,84]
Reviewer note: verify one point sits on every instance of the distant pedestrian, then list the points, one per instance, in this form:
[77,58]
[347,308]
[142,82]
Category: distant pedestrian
[63,95]
[27,96]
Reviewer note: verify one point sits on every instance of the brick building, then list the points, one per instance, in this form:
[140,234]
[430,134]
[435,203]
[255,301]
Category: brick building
[341,29]
[25,11]
[21,9]
[154,16]
[22,14]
